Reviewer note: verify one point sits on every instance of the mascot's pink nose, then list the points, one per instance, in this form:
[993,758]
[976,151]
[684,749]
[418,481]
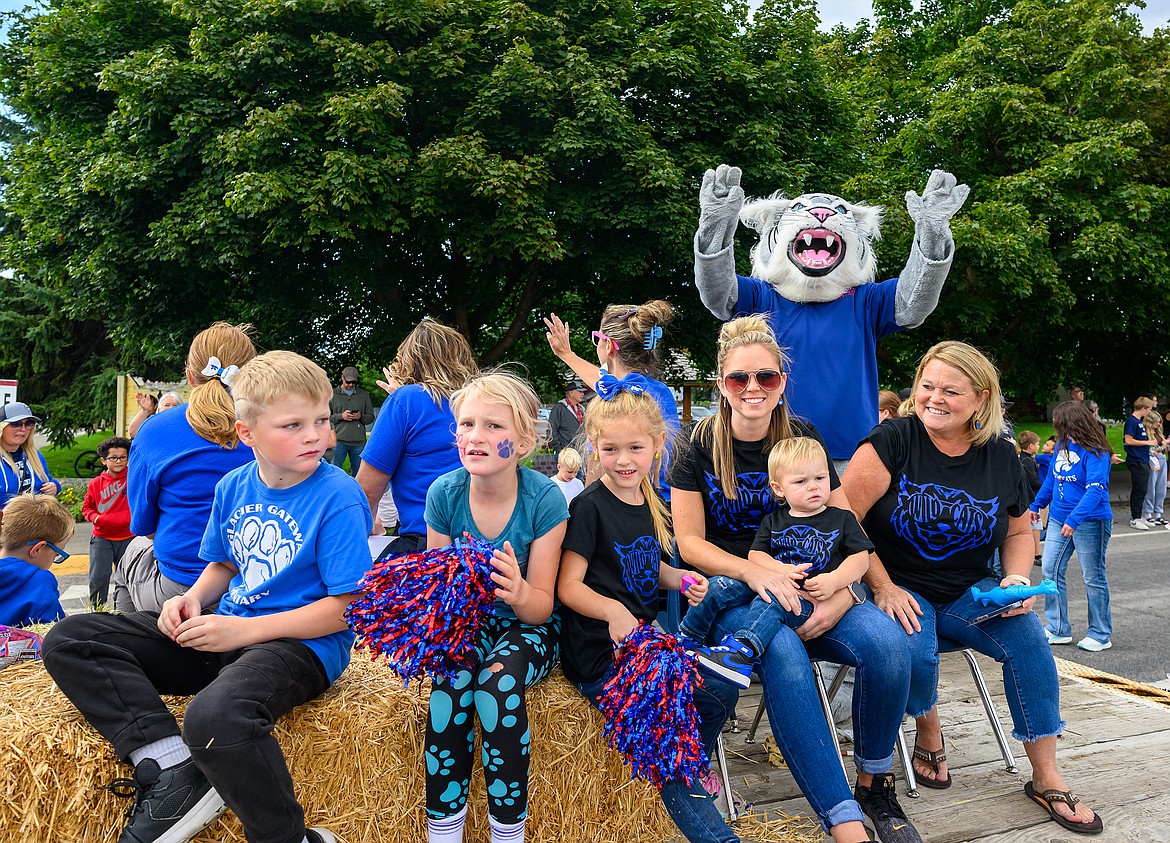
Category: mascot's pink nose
[821,214]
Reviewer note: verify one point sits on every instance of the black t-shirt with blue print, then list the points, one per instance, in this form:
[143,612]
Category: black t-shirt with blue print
[618,541]
[732,524]
[938,524]
[823,540]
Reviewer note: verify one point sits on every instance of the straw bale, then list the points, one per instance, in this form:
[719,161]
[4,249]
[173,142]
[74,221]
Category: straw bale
[356,757]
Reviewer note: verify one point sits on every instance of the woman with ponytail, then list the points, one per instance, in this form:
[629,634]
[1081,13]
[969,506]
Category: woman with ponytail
[175,463]
[719,497]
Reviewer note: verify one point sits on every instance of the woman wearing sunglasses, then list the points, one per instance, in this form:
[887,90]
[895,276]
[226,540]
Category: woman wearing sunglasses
[22,468]
[719,496]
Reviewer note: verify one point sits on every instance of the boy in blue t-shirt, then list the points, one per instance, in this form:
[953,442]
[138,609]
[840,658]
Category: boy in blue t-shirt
[260,632]
[35,528]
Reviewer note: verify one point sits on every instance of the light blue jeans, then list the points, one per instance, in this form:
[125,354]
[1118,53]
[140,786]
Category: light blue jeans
[1090,541]
[794,709]
[355,456]
[1017,643]
[1156,490]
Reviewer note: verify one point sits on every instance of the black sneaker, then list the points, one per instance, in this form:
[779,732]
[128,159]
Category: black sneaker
[320,835]
[170,806]
[880,803]
[730,660]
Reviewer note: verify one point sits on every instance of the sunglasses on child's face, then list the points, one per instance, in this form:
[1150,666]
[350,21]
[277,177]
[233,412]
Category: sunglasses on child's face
[61,555]
[768,380]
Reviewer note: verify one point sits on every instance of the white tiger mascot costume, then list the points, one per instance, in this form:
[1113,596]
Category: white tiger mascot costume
[813,271]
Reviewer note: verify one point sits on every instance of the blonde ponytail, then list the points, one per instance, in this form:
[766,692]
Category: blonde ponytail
[211,412]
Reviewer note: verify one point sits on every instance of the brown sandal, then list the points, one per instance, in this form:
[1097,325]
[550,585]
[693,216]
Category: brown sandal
[1046,799]
[932,760]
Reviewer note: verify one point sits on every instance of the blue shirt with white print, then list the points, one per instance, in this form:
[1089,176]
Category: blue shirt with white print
[291,547]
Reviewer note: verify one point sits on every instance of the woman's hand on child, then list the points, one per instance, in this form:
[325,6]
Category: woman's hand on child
[779,582]
[175,611]
[214,633]
[510,584]
[557,335]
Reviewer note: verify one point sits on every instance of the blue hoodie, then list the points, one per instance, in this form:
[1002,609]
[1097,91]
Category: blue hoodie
[10,483]
[1077,488]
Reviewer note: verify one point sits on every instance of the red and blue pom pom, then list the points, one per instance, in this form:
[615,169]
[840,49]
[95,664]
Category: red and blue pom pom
[422,611]
[649,708]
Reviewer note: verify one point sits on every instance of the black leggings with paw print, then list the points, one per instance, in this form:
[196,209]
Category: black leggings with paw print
[512,656]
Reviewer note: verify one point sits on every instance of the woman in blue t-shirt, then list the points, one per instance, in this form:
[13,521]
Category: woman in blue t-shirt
[1080,519]
[413,439]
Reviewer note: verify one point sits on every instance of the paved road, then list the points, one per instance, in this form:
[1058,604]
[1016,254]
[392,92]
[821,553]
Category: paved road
[1139,580]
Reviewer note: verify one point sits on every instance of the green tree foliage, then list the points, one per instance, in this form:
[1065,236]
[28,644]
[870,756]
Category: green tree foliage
[332,170]
[1056,114]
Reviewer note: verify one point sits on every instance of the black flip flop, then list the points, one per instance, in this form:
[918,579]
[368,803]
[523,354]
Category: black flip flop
[932,759]
[1046,799]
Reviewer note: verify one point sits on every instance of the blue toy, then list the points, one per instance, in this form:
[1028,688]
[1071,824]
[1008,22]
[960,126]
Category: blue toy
[1001,596]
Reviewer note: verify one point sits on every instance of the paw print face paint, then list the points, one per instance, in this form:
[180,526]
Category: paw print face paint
[487,436]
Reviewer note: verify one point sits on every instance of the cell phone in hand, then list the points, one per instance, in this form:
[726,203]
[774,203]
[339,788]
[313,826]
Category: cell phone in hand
[995,613]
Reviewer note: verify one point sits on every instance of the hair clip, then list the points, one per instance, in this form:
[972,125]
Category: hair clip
[214,369]
[626,314]
[652,338]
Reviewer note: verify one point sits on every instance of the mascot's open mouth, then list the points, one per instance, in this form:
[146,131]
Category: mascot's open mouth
[816,251]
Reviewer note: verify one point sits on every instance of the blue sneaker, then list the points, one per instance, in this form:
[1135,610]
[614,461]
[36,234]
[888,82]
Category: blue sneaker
[730,660]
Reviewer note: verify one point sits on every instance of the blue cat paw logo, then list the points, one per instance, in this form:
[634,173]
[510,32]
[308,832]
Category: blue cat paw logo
[753,500]
[939,521]
[640,561]
[261,550]
[800,544]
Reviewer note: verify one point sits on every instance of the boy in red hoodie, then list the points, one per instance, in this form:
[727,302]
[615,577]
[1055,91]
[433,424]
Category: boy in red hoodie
[107,508]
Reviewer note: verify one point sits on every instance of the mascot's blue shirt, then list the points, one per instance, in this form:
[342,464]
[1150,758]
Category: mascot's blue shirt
[833,381]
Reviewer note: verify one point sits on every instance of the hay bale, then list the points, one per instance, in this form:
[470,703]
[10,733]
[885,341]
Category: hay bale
[357,759]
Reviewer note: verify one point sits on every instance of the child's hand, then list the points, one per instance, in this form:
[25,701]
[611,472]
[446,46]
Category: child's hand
[510,584]
[214,633]
[795,572]
[175,611]
[620,627]
[822,587]
[697,590]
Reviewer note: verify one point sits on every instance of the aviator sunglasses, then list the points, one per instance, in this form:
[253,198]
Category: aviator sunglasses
[737,382]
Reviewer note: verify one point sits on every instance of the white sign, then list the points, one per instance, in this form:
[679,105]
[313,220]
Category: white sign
[7,391]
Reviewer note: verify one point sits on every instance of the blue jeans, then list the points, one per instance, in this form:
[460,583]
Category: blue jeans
[355,456]
[1090,541]
[1017,643]
[798,723]
[689,806]
[1156,490]
[764,619]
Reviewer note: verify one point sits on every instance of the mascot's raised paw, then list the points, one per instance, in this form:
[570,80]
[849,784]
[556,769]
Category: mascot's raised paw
[933,211]
[720,198]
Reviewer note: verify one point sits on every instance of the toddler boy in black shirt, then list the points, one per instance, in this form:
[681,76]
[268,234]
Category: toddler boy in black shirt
[820,548]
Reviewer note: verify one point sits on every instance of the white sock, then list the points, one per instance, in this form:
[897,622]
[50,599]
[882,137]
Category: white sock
[447,829]
[506,832]
[167,752]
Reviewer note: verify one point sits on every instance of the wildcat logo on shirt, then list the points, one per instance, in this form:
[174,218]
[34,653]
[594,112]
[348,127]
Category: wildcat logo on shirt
[753,501]
[261,548]
[1064,463]
[640,562]
[800,544]
[939,521]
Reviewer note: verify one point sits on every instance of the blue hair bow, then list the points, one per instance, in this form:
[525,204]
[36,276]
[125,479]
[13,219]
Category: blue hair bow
[608,386]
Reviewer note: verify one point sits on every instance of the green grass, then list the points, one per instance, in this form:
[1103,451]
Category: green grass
[61,460]
[1114,433]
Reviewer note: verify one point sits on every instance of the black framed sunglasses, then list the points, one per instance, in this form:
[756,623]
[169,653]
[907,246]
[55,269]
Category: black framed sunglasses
[768,379]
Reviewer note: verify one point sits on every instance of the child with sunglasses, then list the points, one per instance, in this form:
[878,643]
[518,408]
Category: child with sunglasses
[108,509]
[35,528]
[821,549]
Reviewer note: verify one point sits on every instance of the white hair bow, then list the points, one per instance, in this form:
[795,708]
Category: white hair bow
[214,369]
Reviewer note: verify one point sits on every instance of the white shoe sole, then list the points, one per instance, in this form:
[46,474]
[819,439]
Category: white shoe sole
[325,834]
[1060,639]
[733,676]
[206,811]
[1095,647]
